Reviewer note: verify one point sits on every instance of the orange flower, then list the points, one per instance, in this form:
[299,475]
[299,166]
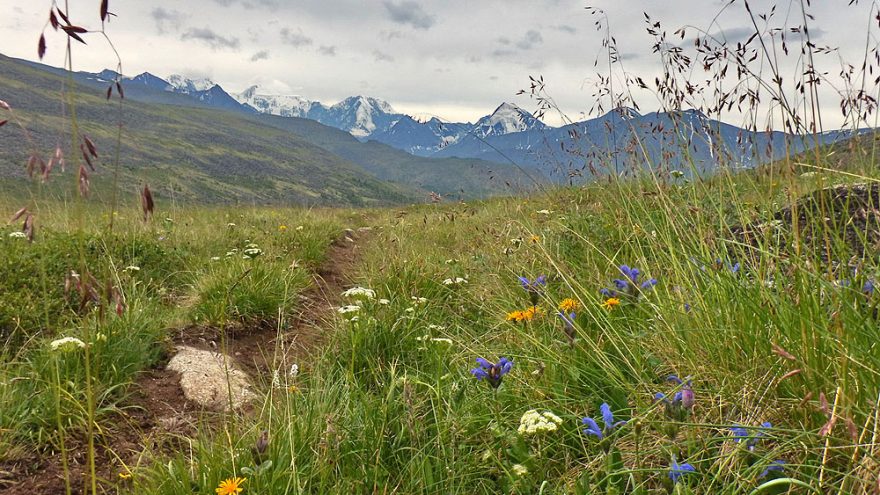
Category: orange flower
[569,305]
[230,486]
[611,303]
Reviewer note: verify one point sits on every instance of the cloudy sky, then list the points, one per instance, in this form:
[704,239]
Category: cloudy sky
[457,59]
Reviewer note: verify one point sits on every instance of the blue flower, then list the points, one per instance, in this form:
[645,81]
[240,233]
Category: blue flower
[629,284]
[607,418]
[868,288]
[676,470]
[682,401]
[742,434]
[568,320]
[534,287]
[493,373]
[776,466]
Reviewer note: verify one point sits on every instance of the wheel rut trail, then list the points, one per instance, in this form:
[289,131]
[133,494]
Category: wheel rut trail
[157,416]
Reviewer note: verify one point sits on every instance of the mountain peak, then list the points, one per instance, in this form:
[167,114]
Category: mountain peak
[506,119]
[185,85]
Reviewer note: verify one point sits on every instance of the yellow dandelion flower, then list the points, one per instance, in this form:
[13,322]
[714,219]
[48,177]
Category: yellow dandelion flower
[282,228]
[124,476]
[611,303]
[568,305]
[230,486]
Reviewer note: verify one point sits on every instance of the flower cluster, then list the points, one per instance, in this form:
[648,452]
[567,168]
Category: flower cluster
[359,293]
[630,285]
[18,235]
[534,287]
[67,344]
[742,434]
[525,315]
[534,422]
[455,281]
[492,372]
[609,425]
[251,251]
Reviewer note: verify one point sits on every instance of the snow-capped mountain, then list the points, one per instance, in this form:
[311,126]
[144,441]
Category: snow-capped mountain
[360,115]
[618,141]
[506,119]
[282,105]
[181,84]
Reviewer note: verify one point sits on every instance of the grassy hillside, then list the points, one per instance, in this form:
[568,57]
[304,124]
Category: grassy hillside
[183,153]
[455,177]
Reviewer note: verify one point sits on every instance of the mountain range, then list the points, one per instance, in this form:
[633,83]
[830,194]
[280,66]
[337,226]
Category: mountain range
[621,140]
[191,141]
[508,148]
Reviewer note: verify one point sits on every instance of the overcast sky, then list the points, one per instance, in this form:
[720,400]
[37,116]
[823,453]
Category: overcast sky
[457,59]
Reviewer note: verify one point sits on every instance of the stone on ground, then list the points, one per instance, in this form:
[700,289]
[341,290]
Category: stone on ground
[210,379]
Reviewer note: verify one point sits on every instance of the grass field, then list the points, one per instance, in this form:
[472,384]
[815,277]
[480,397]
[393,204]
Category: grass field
[774,345]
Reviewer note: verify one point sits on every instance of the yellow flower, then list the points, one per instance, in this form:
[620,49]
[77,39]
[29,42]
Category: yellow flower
[230,486]
[611,303]
[520,316]
[568,305]
[124,476]
[282,228]
[535,239]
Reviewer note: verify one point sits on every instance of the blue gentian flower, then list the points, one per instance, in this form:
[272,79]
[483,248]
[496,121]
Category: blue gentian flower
[568,321]
[676,470]
[493,373]
[534,287]
[608,420]
[776,466]
[682,401]
[742,434]
[868,288]
[630,284]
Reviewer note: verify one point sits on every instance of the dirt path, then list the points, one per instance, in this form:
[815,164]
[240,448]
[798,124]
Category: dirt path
[157,415]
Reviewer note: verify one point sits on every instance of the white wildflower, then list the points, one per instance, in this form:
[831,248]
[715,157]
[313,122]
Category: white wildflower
[132,268]
[67,343]
[384,302]
[442,340]
[543,212]
[251,251]
[351,308]
[17,235]
[215,258]
[533,422]
[419,300]
[300,227]
[436,327]
[520,470]
[360,292]
[230,225]
[276,379]
[455,281]
[294,370]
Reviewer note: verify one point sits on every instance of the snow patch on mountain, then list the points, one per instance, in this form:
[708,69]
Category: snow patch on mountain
[181,84]
[283,105]
[507,119]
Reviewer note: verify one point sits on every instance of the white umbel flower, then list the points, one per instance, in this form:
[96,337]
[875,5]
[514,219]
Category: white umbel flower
[360,293]
[351,308]
[455,281]
[519,470]
[67,343]
[17,235]
[534,422]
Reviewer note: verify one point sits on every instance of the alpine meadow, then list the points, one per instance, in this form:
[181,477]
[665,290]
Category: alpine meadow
[608,248]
